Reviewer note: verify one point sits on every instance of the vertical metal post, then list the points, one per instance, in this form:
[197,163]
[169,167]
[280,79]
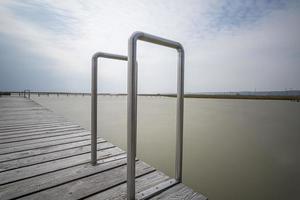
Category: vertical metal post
[24,93]
[132,106]
[131,118]
[94,96]
[94,112]
[179,115]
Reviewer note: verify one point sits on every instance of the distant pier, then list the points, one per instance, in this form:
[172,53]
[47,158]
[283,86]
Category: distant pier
[295,98]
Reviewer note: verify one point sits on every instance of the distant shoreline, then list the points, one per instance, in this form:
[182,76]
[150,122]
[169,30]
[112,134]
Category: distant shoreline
[204,96]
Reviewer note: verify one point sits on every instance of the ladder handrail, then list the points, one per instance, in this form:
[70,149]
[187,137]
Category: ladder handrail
[132,106]
[28,91]
[94,99]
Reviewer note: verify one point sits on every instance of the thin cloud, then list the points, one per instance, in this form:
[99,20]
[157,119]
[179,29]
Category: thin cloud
[228,14]
[221,38]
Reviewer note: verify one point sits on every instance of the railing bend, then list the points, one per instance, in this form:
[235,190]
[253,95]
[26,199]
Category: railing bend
[94,99]
[132,105]
[26,91]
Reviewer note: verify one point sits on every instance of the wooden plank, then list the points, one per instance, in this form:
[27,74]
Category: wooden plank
[29,123]
[155,190]
[45,150]
[142,183]
[17,105]
[21,118]
[33,126]
[179,192]
[90,185]
[41,131]
[34,130]
[56,178]
[44,144]
[37,135]
[44,156]
[27,112]
[14,164]
[75,133]
[22,109]
[15,122]
[35,170]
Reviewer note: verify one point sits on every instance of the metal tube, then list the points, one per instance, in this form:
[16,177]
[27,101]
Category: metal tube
[179,116]
[94,100]
[94,112]
[24,93]
[132,106]
[131,118]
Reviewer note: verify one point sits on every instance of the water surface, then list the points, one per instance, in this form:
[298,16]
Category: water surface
[233,149]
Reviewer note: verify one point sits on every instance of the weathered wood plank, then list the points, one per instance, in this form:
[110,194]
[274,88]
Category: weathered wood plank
[142,183]
[36,128]
[35,170]
[44,181]
[44,144]
[90,185]
[75,133]
[44,156]
[44,134]
[179,192]
[33,126]
[22,118]
[31,122]
[23,109]
[45,150]
[36,134]
[14,164]
[26,113]
[14,122]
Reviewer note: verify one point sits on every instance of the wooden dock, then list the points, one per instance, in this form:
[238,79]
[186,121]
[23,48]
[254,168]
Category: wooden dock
[44,156]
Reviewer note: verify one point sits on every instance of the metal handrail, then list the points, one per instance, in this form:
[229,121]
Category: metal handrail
[28,91]
[94,99]
[132,106]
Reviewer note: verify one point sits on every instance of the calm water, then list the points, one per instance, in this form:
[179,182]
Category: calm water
[233,149]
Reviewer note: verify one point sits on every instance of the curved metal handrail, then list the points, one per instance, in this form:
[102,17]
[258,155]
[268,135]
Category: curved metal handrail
[94,99]
[132,106]
[26,91]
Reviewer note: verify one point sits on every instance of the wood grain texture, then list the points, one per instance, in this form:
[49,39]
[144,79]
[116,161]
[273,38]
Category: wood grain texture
[45,156]
[91,184]
[142,183]
[45,150]
[38,169]
[23,162]
[49,180]
[179,192]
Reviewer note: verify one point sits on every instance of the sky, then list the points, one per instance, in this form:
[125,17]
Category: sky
[230,45]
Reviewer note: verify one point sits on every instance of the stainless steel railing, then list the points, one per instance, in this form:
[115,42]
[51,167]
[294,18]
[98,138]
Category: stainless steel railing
[94,99]
[26,91]
[132,105]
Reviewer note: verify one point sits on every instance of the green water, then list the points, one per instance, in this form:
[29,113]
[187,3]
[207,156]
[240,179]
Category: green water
[233,149]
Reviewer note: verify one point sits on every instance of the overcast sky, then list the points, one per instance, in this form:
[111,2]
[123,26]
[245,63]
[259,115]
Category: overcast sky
[230,45]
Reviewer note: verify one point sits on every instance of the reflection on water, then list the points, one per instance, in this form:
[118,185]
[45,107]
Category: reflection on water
[233,149]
